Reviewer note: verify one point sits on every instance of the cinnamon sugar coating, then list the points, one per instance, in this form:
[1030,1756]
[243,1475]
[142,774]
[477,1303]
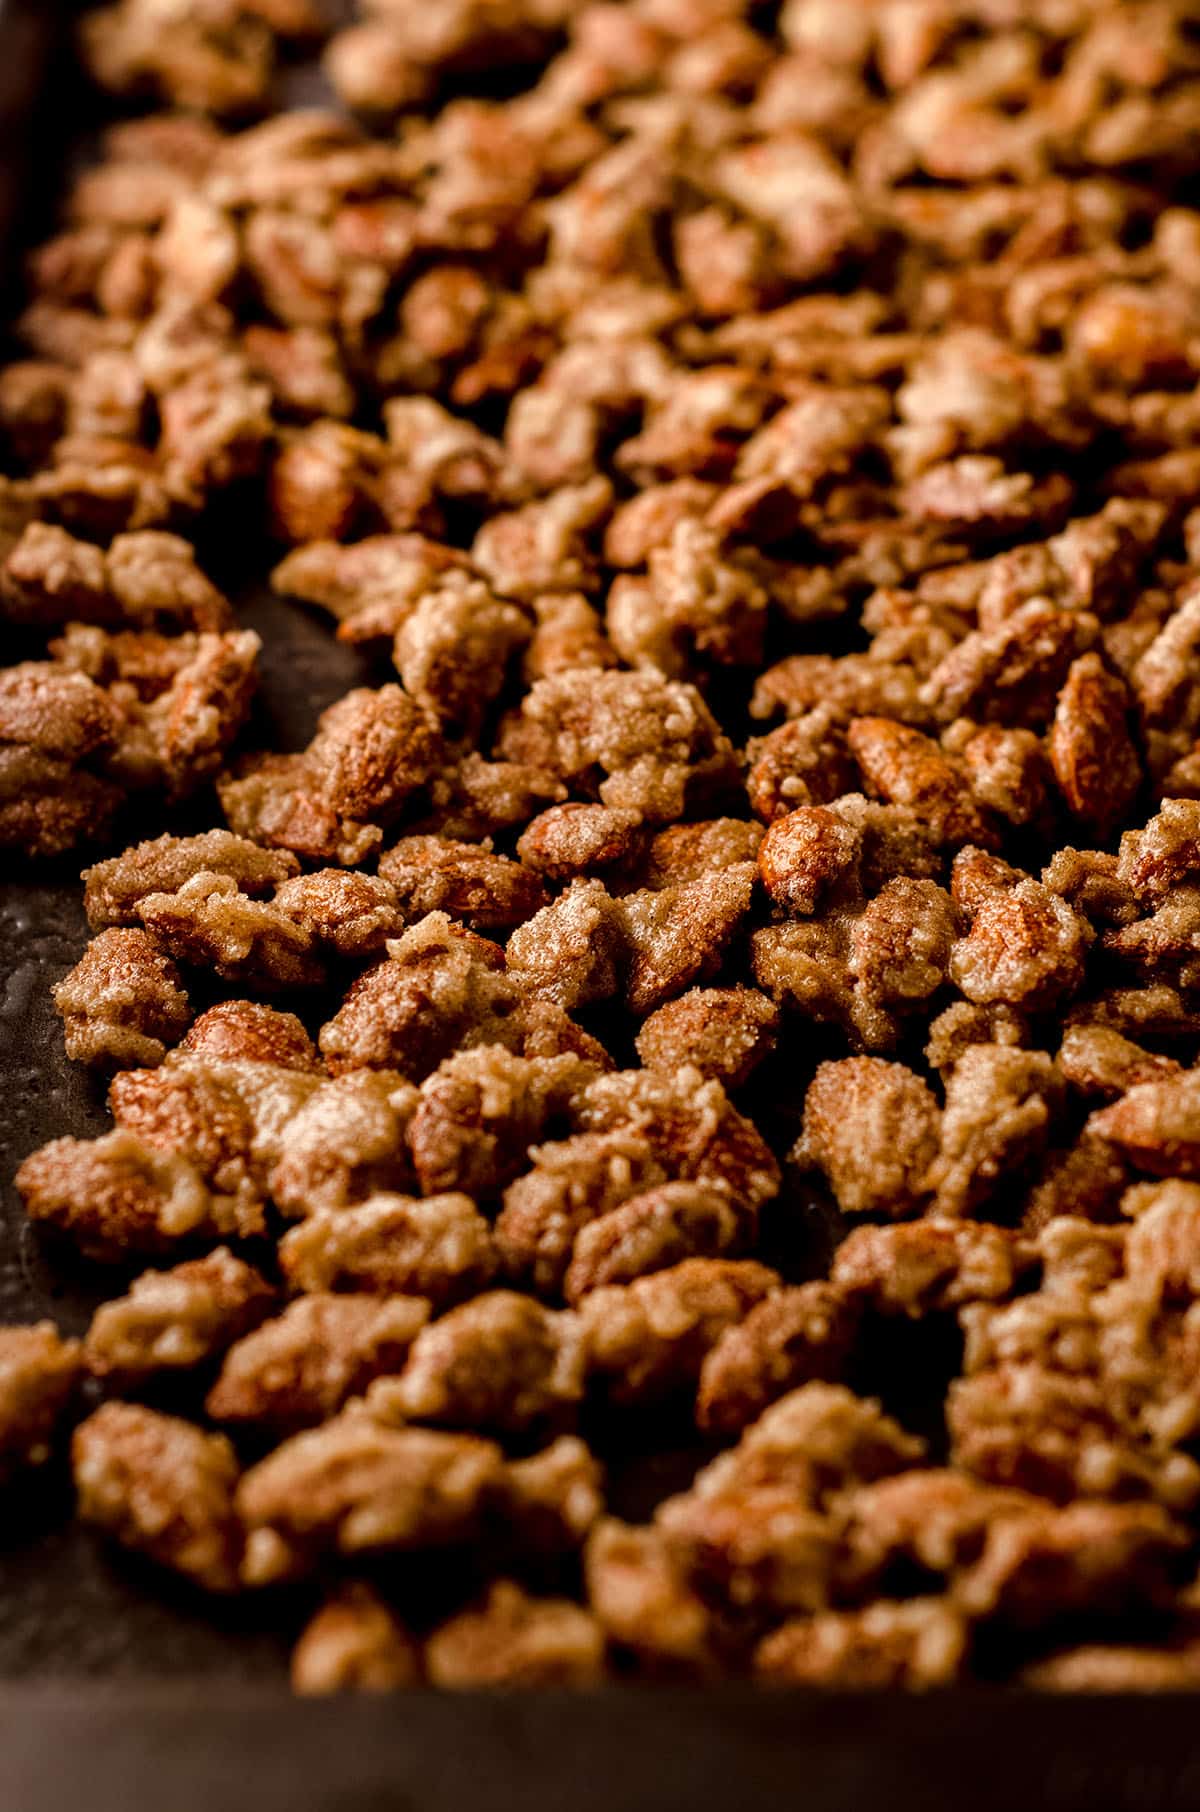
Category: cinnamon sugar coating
[440,1248]
[724,1032]
[872,1128]
[354,1643]
[917,1644]
[487,892]
[649,1338]
[248,1031]
[500,1362]
[735,944]
[39,1372]
[123,1004]
[801,1333]
[118,1194]
[176,1319]
[115,888]
[372,751]
[354,1487]
[513,1640]
[299,1367]
[157,1484]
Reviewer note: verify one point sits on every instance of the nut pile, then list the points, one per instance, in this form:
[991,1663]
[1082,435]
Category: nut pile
[759,448]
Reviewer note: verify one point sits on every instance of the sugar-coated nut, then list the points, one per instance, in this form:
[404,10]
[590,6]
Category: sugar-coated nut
[160,1485]
[827,372]
[916,1644]
[677,935]
[807,854]
[39,1372]
[579,839]
[247,1031]
[486,891]
[123,1004]
[645,1602]
[515,1640]
[118,1194]
[501,1362]
[648,1339]
[800,1333]
[872,1128]
[114,889]
[440,1248]
[300,1367]
[651,1232]
[725,1032]
[354,1644]
[177,1319]
[354,1487]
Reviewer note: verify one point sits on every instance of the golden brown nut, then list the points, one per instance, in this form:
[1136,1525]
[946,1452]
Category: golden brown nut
[724,1032]
[501,1362]
[161,1486]
[123,1004]
[440,1248]
[354,1644]
[654,1231]
[917,1644]
[649,1338]
[115,889]
[872,1128]
[798,1334]
[353,1487]
[39,1372]
[117,1194]
[173,1320]
[641,1595]
[246,1031]
[486,891]
[515,1640]
[299,1368]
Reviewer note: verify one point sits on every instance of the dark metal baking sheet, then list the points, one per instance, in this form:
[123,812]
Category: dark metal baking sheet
[120,1691]
[640,1750]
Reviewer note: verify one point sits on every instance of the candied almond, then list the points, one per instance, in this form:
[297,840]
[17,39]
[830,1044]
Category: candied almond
[174,1320]
[354,1643]
[726,1033]
[648,1338]
[500,1362]
[246,1031]
[161,1486]
[872,1128]
[807,855]
[123,1003]
[1093,755]
[299,1367]
[353,1487]
[651,1232]
[440,1248]
[801,1333]
[486,891]
[39,1372]
[514,1640]
[917,1644]
[1152,1123]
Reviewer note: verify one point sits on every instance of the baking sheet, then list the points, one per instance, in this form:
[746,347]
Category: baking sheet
[633,1751]
[122,1689]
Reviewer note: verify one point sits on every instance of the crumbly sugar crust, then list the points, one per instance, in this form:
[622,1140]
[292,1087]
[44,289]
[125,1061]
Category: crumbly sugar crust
[733,966]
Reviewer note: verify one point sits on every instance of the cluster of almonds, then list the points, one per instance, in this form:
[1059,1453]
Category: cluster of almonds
[834,366]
